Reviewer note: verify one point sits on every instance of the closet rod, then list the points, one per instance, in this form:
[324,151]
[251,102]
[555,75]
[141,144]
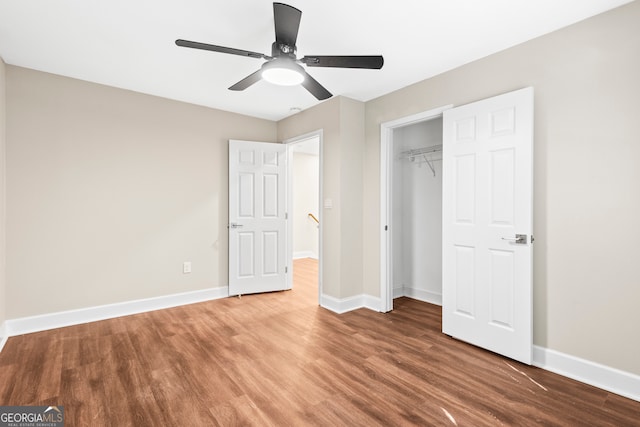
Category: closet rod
[423,154]
[416,152]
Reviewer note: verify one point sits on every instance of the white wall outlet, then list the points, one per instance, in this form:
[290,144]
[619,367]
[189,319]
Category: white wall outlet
[186,267]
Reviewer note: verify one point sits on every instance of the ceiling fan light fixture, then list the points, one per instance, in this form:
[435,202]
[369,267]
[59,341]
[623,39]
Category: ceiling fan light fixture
[282,67]
[282,72]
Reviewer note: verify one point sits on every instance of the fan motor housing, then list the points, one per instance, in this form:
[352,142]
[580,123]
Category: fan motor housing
[280,49]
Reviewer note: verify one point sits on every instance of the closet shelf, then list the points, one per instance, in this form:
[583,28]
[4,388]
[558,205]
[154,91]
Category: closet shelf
[419,152]
[426,155]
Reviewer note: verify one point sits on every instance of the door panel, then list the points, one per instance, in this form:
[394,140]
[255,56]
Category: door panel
[464,281]
[270,199]
[502,283]
[465,189]
[246,250]
[257,217]
[271,262]
[502,187]
[487,199]
[246,195]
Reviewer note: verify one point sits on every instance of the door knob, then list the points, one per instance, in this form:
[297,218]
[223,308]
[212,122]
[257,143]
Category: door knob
[234,225]
[520,239]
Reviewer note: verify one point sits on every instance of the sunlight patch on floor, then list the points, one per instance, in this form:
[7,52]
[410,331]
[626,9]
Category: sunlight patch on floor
[453,420]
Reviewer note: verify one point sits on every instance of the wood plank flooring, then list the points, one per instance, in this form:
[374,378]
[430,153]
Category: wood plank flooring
[278,359]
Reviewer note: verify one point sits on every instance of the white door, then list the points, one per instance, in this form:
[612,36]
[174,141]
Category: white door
[257,217]
[487,203]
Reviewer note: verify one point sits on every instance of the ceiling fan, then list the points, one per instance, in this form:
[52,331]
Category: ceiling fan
[282,67]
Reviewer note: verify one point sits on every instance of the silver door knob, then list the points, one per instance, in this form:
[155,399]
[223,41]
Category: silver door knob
[234,225]
[520,239]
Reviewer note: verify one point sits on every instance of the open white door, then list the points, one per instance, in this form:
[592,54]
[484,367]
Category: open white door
[488,222]
[257,217]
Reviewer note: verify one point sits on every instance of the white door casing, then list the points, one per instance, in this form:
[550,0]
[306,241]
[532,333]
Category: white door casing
[386,198]
[257,217]
[487,200]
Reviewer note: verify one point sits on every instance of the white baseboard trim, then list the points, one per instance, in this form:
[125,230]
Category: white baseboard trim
[304,254]
[372,303]
[419,294]
[26,325]
[344,305]
[614,380]
[422,295]
[4,336]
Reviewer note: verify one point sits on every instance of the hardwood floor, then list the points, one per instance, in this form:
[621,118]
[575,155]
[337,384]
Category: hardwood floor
[278,359]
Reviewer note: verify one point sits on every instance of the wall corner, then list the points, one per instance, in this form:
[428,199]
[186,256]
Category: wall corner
[3,198]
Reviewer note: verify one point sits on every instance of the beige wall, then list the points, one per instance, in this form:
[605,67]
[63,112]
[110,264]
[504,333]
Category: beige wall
[109,191]
[3,316]
[587,198]
[342,123]
[351,184]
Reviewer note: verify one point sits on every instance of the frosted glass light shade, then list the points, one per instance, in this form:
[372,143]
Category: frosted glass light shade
[283,72]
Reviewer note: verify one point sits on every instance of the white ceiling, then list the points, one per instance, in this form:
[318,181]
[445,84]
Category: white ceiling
[130,43]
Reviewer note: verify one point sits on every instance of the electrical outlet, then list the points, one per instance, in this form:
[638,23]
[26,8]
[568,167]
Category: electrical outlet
[186,267]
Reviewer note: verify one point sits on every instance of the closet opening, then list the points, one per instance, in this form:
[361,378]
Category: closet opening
[411,246]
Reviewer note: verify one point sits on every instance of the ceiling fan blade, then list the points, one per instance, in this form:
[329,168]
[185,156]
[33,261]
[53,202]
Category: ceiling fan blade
[221,49]
[287,21]
[315,88]
[247,81]
[369,62]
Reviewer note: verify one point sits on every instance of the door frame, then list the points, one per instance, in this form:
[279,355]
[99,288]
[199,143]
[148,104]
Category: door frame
[386,198]
[291,142]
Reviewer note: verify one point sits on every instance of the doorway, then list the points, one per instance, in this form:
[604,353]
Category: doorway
[304,195]
[411,208]
[416,223]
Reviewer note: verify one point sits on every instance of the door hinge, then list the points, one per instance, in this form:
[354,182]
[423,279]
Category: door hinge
[286,269]
[386,227]
[286,215]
